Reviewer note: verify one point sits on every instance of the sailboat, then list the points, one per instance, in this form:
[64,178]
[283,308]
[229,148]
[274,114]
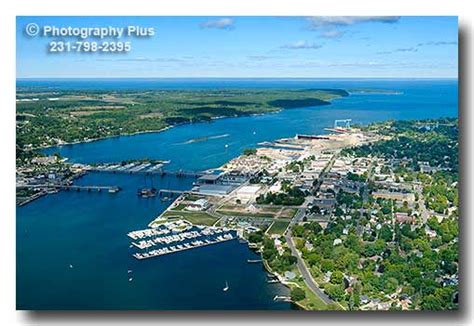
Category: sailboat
[226,287]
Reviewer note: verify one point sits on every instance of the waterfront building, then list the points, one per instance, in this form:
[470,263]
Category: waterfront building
[198,205]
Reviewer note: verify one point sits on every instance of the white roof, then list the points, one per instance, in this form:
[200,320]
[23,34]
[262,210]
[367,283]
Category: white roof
[248,189]
[201,202]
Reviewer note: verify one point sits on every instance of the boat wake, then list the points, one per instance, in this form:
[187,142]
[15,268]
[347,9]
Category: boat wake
[205,138]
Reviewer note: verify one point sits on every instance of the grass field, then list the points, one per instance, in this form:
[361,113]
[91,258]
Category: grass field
[278,227]
[247,214]
[197,218]
[312,301]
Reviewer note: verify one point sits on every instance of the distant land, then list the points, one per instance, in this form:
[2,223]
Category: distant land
[51,117]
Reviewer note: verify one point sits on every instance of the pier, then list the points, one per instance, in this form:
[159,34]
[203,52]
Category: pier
[282,298]
[176,236]
[110,189]
[171,192]
[186,246]
[146,168]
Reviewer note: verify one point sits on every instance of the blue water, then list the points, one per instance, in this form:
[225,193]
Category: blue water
[419,100]
[89,230]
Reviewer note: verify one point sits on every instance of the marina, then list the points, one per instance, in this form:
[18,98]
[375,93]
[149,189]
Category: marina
[140,167]
[176,236]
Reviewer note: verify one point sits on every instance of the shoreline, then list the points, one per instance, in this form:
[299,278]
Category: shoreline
[155,130]
[277,110]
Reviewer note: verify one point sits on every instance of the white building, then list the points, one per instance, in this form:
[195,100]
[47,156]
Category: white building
[198,205]
[247,193]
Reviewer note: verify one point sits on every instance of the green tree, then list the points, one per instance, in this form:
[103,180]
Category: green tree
[297,294]
[337,277]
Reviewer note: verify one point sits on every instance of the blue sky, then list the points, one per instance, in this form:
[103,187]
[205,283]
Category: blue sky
[307,47]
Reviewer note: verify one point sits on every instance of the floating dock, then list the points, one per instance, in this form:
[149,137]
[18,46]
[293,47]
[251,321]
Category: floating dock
[176,236]
[186,246]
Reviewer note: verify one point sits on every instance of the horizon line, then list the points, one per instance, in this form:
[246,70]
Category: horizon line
[313,78]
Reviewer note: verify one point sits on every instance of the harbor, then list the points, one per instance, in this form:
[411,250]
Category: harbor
[101,222]
[176,236]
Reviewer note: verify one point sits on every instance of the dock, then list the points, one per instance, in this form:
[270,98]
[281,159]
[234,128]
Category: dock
[176,236]
[174,249]
[146,168]
[110,189]
[162,192]
[282,298]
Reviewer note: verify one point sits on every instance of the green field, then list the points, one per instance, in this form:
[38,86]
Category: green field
[312,301]
[197,218]
[244,214]
[278,227]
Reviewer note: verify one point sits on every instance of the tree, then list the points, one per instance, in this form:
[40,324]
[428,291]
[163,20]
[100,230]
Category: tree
[386,233]
[336,292]
[390,285]
[337,277]
[297,294]
[327,265]
[250,151]
[432,302]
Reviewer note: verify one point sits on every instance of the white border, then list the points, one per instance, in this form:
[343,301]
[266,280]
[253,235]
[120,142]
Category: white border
[10,9]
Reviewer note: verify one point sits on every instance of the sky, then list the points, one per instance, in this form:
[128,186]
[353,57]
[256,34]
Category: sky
[251,47]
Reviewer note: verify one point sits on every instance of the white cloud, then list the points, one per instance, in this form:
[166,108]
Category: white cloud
[438,43]
[331,33]
[302,45]
[316,22]
[222,23]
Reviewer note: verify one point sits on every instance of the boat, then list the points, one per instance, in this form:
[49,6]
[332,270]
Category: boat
[70,266]
[147,192]
[226,287]
[253,261]
[114,190]
[130,279]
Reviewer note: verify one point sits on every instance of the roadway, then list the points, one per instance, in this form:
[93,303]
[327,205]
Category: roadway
[307,277]
[305,273]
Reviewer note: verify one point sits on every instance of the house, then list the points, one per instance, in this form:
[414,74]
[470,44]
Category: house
[289,275]
[404,218]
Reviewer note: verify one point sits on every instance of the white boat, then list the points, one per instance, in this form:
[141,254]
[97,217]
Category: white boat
[130,279]
[226,287]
